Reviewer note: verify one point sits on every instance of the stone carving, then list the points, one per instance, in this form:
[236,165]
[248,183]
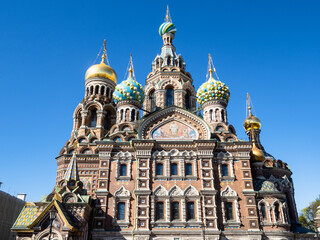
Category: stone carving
[160,191]
[123,155]
[173,152]
[228,192]
[191,191]
[122,192]
[175,191]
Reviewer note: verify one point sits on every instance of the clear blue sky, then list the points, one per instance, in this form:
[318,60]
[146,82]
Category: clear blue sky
[267,48]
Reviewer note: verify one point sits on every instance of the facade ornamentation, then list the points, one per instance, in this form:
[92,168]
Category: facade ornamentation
[177,173]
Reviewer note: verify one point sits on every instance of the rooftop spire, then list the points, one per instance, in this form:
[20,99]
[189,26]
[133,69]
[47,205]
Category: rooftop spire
[104,52]
[131,66]
[72,170]
[209,65]
[248,104]
[168,15]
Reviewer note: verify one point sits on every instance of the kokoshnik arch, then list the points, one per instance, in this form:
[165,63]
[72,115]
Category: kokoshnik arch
[174,173]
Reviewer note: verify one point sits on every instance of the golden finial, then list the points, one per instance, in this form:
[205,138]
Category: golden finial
[104,52]
[248,103]
[131,66]
[210,68]
[75,147]
[168,14]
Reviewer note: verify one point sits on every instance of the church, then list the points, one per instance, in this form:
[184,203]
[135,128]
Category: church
[162,162]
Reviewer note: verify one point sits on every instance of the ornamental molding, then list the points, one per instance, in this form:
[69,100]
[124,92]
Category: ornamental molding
[173,113]
[229,193]
[122,192]
[123,155]
[174,152]
[160,191]
[191,191]
[175,191]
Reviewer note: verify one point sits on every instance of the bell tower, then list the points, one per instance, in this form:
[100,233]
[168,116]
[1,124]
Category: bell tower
[168,84]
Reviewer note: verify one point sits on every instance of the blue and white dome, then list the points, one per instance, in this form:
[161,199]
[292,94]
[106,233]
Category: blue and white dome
[128,90]
[213,90]
[167,27]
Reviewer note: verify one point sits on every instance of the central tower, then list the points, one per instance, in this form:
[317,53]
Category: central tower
[168,83]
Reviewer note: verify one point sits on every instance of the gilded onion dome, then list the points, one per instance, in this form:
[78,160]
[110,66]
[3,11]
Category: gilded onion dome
[102,69]
[251,122]
[129,90]
[168,26]
[213,90]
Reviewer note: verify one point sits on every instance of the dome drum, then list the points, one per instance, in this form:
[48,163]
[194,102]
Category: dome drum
[214,102]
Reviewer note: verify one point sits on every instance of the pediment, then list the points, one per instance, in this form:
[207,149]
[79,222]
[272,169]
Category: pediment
[174,123]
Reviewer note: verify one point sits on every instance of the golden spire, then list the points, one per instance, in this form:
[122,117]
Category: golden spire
[75,147]
[210,68]
[104,52]
[168,14]
[131,66]
[252,123]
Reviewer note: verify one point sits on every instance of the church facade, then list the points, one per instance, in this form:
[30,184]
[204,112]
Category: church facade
[163,162]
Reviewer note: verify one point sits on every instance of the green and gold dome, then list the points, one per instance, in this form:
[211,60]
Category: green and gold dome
[129,90]
[213,90]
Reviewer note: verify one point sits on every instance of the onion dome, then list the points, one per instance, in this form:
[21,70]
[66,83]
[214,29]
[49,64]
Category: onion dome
[102,69]
[251,122]
[129,90]
[168,26]
[213,90]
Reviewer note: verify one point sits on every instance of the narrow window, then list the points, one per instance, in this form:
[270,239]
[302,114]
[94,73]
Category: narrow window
[188,169]
[187,100]
[93,118]
[174,169]
[222,115]
[159,169]
[123,170]
[276,211]
[190,211]
[225,170]
[229,211]
[121,115]
[133,114]
[170,97]
[263,211]
[97,89]
[108,92]
[102,90]
[121,211]
[137,115]
[91,90]
[153,101]
[107,120]
[175,211]
[159,211]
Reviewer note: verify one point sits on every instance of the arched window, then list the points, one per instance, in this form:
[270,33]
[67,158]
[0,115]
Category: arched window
[102,90]
[277,212]
[222,115]
[188,169]
[121,115]
[133,114]
[175,211]
[229,211]
[190,211]
[159,169]
[159,211]
[91,90]
[97,89]
[108,91]
[121,211]
[107,120]
[225,170]
[187,100]
[78,120]
[170,97]
[174,169]
[138,116]
[263,211]
[93,118]
[211,116]
[82,140]
[123,170]
[87,91]
[152,97]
